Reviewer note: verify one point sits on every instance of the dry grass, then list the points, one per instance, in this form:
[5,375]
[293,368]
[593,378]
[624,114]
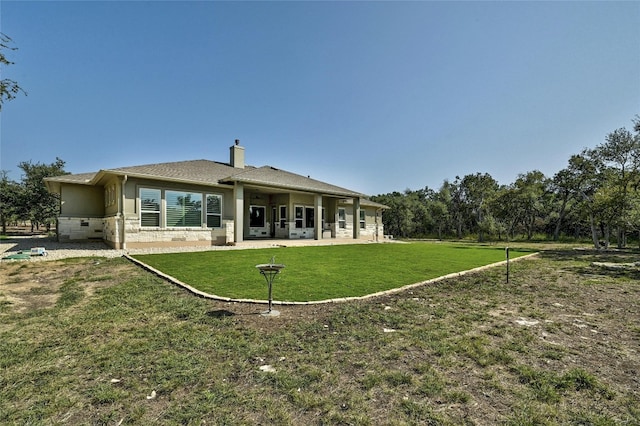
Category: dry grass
[89,344]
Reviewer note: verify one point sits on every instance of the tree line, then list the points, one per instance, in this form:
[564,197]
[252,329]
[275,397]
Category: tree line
[596,196]
[28,200]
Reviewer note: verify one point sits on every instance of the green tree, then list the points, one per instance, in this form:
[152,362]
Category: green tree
[9,89]
[504,206]
[452,192]
[620,158]
[530,190]
[418,202]
[476,193]
[9,200]
[598,190]
[38,204]
[566,185]
[440,213]
[588,182]
[398,220]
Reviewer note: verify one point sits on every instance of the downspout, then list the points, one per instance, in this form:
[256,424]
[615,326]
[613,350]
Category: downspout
[122,199]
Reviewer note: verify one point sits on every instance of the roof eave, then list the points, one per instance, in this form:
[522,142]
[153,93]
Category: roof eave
[103,173]
[348,194]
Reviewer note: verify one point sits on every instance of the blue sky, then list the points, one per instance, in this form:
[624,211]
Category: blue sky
[373,96]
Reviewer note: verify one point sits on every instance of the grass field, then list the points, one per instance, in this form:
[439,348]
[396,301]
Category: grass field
[323,272]
[101,341]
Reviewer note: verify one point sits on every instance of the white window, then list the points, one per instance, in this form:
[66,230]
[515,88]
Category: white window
[363,223]
[283,217]
[299,216]
[305,217]
[257,216]
[183,209]
[342,218]
[150,207]
[214,211]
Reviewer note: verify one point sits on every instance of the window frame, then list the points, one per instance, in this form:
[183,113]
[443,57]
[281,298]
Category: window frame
[363,219]
[187,209]
[212,214]
[309,217]
[299,219]
[162,194]
[283,217]
[143,211]
[342,218]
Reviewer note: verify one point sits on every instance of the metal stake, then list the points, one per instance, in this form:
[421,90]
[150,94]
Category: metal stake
[507,252]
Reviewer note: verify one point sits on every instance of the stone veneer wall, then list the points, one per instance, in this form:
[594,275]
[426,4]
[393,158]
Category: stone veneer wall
[138,237]
[368,232]
[113,231]
[80,229]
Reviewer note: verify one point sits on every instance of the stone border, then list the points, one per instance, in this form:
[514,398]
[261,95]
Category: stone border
[317,302]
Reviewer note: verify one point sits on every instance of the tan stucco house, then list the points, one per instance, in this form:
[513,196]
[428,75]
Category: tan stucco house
[205,202]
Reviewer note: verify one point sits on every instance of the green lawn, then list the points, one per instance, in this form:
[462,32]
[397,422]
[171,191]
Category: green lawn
[323,272]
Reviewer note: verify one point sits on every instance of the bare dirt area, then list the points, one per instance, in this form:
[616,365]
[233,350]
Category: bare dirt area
[558,344]
[54,250]
[29,286]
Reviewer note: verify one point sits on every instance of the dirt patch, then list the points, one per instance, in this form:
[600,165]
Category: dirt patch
[29,286]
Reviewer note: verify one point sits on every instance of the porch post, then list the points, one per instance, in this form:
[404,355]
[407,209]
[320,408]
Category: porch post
[356,218]
[318,221]
[121,211]
[334,227]
[238,212]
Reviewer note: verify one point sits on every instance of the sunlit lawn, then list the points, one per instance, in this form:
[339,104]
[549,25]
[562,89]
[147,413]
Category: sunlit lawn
[323,272]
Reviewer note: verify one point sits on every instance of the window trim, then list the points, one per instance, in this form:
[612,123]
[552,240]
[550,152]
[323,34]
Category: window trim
[194,200]
[201,197]
[307,219]
[342,221]
[154,212]
[206,210]
[283,218]
[363,219]
[299,219]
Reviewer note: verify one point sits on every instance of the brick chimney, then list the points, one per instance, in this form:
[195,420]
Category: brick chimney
[237,155]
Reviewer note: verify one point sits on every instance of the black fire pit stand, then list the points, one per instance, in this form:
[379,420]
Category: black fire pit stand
[269,271]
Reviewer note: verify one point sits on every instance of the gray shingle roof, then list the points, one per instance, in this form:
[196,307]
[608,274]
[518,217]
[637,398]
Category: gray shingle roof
[214,173]
[276,178]
[81,178]
[367,203]
[196,171]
